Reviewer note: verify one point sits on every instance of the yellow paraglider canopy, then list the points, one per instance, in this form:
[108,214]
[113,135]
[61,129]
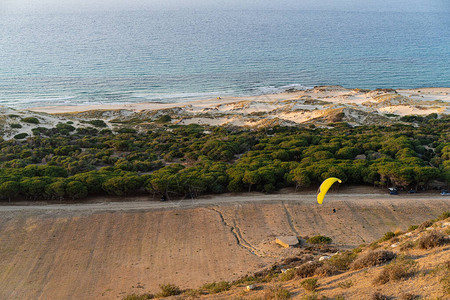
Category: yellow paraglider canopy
[325,186]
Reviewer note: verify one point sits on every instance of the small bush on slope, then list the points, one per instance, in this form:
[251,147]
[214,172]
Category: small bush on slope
[374,258]
[432,239]
[398,269]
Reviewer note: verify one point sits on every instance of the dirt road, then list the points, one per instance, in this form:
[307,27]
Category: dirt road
[107,250]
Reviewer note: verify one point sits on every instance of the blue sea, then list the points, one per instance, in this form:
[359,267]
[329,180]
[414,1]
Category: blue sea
[167,56]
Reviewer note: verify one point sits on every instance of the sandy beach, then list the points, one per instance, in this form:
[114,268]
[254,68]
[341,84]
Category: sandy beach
[334,95]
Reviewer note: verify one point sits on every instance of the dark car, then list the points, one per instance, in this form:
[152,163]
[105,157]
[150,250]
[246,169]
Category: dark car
[393,191]
[411,191]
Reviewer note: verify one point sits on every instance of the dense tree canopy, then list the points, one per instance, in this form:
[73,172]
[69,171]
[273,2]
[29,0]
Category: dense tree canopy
[72,163]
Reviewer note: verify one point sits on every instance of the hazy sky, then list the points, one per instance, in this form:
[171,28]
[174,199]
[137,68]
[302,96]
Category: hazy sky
[31,6]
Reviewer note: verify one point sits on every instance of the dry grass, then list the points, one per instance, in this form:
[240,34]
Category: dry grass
[373,258]
[432,239]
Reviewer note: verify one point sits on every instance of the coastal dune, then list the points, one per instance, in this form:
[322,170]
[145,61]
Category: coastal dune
[97,251]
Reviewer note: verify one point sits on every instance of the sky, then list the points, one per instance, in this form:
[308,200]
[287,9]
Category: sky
[55,6]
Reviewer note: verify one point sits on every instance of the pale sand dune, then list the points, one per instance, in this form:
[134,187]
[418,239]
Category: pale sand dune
[106,251]
[314,105]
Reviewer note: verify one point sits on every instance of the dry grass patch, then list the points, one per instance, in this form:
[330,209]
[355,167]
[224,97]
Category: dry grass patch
[373,258]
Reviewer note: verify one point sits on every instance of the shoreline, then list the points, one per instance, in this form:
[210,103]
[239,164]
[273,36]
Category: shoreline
[440,93]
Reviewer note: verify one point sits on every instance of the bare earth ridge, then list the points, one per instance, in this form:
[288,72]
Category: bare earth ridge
[107,250]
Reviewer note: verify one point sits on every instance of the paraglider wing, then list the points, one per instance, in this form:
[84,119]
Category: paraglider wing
[325,186]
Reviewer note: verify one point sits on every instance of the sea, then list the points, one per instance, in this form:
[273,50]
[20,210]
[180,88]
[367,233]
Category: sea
[184,55]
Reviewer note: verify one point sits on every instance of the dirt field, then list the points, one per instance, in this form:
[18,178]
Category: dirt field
[109,250]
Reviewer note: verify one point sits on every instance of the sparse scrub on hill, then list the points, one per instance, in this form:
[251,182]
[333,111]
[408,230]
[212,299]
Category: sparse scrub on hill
[138,297]
[326,270]
[277,292]
[15,125]
[432,239]
[409,296]
[398,269]
[343,260]
[412,227]
[288,275]
[346,284]
[217,287]
[425,225]
[406,246]
[444,215]
[387,236]
[379,296]
[310,284]
[31,120]
[319,239]
[308,269]
[373,258]
[168,290]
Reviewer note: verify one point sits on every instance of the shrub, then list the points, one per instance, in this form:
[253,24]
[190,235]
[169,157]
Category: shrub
[396,270]
[345,284]
[277,292]
[138,297]
[412,227]
[408,296]
[343,260]
[319,239]
[407,245]
[379,296]
[443,216]
[15,125]
[373,258]
[98,123]
[308,269]
[168,290]
[310,284]
[432,239]
[164,119]
[387,236]
[127,130]
[21,136]
[217,287]
[425,225]
[288,275]
[31,120]
[326,269]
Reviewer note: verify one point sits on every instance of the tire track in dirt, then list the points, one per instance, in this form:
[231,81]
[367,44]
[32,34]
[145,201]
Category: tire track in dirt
[236,232]
[289,218]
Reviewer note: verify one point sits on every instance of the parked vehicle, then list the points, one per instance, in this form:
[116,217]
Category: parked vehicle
[445,193]
[393,191]
[411,191]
